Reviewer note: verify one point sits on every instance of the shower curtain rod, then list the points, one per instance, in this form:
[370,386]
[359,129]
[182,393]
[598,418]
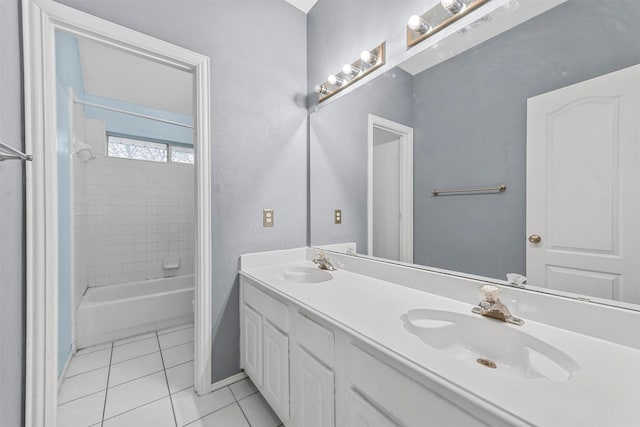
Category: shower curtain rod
[131,113]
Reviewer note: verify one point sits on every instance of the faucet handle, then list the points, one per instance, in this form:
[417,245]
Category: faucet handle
[320,256]
[489,293]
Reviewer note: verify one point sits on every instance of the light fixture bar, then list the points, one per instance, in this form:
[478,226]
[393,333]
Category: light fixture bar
[369,61]
[439,17]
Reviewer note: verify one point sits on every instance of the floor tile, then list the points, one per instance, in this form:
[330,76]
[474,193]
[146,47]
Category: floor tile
[189,407]
[92,349]
[243,388]
[83,385]
[175,328]
[134,339]
[82,412]
[134,349]
[230,416]
[88,362]
[135,393]
[180,377]
[135,368]
[173,339]
[258,412]
[154,414]
[176,355]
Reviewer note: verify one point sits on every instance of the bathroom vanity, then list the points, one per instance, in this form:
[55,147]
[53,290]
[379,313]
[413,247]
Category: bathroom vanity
[374,343]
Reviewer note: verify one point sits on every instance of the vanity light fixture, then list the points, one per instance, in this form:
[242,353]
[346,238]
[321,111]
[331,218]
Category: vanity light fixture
[335,81]
[350,70]
[439,17]
[321,89]
[369,61]
[418,25]
[453,6]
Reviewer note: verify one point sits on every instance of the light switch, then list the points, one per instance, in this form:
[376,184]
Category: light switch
[337,216]
[267,217]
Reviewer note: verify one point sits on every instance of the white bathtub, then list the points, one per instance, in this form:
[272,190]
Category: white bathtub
[108,313]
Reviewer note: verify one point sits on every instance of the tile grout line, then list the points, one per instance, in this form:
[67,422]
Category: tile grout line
[166,378]
[241,410]
[106,390]
[133,409]
[205,416]
[110,364]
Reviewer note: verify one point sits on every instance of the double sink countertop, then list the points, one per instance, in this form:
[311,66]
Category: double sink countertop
[601,386]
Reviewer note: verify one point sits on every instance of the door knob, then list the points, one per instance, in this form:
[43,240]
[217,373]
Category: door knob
[535,238]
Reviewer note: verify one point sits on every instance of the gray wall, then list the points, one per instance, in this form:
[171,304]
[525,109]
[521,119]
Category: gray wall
[11,221]
[338,150]
[470,122]
[259,148]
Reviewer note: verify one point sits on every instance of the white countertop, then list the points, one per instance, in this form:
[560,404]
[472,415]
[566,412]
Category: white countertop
[605,391]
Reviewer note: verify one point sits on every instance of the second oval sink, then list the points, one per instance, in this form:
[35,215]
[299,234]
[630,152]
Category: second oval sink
[490,344]
[306,275]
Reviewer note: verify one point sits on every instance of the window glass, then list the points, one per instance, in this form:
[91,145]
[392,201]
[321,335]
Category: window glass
[129,148]
[181,154]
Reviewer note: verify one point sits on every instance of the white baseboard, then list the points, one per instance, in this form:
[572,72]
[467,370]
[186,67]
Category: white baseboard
[228,381]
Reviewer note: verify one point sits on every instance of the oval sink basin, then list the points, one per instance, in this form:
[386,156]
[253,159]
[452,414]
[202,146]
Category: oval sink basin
[490,344]
[306,275]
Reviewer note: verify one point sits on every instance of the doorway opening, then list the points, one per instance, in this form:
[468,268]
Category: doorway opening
[390,190]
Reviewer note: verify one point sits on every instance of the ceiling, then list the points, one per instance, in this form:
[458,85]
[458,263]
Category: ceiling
[113,73]
[303,5]
[116,74]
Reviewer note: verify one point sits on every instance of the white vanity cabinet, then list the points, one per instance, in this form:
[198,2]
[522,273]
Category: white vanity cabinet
[265,346]
[382,394]
[316,374]
[313,379]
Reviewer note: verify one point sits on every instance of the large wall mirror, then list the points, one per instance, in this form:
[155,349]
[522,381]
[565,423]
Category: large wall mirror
[545,109]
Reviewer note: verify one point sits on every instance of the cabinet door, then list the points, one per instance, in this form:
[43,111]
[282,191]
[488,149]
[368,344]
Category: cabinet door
[252,344]
[276,370]
[363,414]
[314,398]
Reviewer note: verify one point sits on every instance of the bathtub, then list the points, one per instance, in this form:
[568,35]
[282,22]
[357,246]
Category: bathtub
[108,313]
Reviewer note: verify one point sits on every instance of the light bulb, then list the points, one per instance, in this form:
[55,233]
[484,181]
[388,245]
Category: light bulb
[417,24]
[368,57]
[349,70]
[335,81]
[321,89]
[453,6]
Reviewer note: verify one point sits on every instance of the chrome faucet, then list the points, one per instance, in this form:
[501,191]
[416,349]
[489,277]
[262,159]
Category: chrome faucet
[323,262]
[491,306]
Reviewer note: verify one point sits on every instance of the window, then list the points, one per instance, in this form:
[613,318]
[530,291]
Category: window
[128,148]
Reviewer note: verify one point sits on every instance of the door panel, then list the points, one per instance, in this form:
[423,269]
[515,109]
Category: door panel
[314,399]
[252,344]
[276,370]
[583,168]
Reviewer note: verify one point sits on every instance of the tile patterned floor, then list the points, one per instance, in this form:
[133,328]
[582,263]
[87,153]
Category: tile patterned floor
[147,381]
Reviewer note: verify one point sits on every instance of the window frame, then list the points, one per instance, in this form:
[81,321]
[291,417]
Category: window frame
[170,145]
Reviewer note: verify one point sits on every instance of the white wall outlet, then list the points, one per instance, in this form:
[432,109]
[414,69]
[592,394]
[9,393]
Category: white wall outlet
[267,217]
[337,216]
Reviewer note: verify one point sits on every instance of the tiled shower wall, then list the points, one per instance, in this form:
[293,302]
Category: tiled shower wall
[130,214]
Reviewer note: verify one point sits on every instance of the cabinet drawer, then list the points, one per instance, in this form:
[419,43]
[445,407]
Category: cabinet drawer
[267,306]
[316,339]
[361,413]
[399,396]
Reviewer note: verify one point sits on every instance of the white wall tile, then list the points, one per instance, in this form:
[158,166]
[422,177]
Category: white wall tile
[129,216]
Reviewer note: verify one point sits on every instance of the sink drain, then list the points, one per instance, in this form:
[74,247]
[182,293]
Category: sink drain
[486,362]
